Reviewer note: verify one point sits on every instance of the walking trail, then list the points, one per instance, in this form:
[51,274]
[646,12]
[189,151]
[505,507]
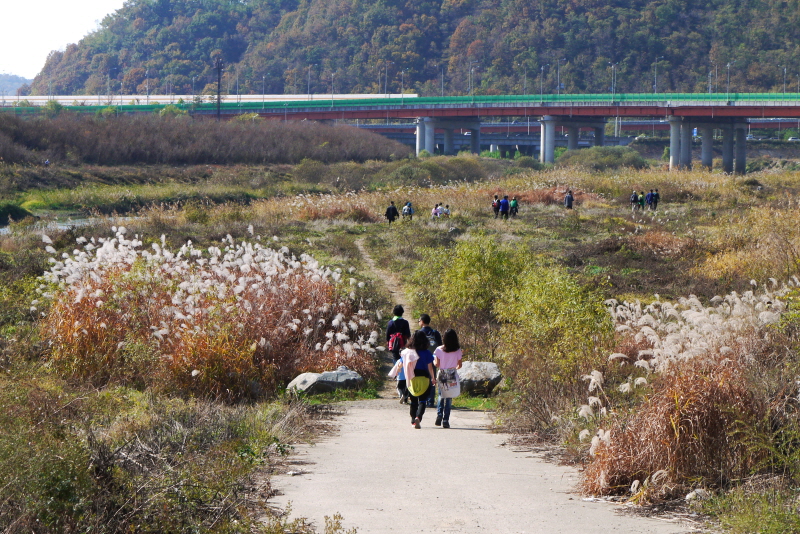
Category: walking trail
[384,476]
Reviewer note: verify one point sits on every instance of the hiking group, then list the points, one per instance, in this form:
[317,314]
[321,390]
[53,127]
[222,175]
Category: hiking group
[423,361]
[502,207]
[392,214]
[640,200]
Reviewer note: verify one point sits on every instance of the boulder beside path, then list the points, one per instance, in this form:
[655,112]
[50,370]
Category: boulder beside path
[313,383]
[479,378]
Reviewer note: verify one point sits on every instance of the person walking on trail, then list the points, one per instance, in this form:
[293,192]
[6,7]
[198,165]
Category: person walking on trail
[398,332]
[641,201]
[434,340]
[649,200]
[418,363]
[392,213]
[634,200]
[656,198]
[504,207]
[408,211]
[514,206]
[568,200]
[496,206]
[400,375]
[447,358]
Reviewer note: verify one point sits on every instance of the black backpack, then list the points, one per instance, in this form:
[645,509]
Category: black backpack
[634,198]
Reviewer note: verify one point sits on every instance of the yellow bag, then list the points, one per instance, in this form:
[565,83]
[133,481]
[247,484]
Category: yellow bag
[418,385]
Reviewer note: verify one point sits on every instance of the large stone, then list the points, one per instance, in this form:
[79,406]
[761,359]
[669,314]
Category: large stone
[479,378]
[313,383]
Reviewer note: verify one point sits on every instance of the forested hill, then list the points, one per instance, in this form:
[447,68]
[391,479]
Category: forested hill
[350,45]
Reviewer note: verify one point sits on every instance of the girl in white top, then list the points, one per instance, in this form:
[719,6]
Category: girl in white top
[447,356]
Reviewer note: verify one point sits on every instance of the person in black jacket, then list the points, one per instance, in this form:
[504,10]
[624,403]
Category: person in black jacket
[434,341]
[397,325]
[392,213]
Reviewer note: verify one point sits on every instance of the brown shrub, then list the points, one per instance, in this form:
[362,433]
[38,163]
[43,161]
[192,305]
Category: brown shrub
[681,437]
[661,243]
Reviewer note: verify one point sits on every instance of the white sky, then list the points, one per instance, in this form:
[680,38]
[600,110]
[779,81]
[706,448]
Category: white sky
[32,29]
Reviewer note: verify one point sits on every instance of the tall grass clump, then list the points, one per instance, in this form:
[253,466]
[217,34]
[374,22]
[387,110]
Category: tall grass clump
[712,372]
[144,139]
[232,322]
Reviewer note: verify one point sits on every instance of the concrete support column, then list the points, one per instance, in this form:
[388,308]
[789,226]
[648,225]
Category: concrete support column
[707,150]
[493,148]
[475,140]
[420,136]
[572,137]
[600,136]
[448,142]
[548,139]
[430,137]
[686,146]
[674,143]
[727,149]
[740,163]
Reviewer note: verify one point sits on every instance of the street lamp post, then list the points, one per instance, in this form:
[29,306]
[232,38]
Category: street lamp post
[541,82]
[219,65]
[309,81]
[403,86]
[558,75]
[386,78]
[193,79]
[263,90]
[470,76]
[613,80]
[655,74]
[784,79]
[441,67]
[147,85]
[728,87]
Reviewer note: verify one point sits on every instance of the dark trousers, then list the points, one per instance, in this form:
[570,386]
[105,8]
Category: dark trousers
[417,408]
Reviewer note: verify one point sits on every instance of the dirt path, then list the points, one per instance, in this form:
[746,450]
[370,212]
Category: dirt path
[385,476]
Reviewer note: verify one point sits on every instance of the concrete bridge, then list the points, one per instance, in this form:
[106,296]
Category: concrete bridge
[685,112]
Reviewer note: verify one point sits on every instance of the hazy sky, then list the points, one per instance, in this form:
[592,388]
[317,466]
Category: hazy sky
[32,29]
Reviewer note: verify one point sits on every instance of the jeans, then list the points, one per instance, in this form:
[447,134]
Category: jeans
[443,408]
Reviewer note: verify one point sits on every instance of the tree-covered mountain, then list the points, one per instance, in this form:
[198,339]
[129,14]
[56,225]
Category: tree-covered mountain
[285,46]
[9,83]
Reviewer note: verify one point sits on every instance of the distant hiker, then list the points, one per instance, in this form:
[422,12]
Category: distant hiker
[47,163]
[496,206]
[504,207]
[446,211]
[634,200]
[568,200]
[641,201]
[392,213]
[408,211]
[447,358]
[649,200]
[418,365]
[656,198]
[514,207]
[398,332]
[434,340]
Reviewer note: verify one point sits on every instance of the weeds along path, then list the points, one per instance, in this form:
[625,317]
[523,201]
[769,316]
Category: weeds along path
[384,476]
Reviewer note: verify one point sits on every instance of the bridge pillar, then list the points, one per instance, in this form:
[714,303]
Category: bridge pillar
[686,146]
[548,139]
[600,136]
[420,136]
[430,136]
[572,137]
[674,143]
[448,142]
[727,149]
[707,150]
[493,148]
[475,140]
[740,163]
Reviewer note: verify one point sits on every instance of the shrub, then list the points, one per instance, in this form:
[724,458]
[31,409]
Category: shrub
[683,436]
[12,212]
[553,332]
[239,322]
[599,158]
[527,162]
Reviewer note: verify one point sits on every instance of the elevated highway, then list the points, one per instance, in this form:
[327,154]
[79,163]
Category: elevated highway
[684,112]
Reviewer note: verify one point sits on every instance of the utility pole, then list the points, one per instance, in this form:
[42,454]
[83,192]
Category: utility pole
[219,65]
[263,90]
[147,84]
[541,82]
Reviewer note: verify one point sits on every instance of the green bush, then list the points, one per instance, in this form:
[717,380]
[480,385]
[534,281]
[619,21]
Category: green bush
[527,162]
[10,212]
[599,158]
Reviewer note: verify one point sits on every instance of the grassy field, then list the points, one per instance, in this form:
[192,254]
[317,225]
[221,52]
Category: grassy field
[604,321]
